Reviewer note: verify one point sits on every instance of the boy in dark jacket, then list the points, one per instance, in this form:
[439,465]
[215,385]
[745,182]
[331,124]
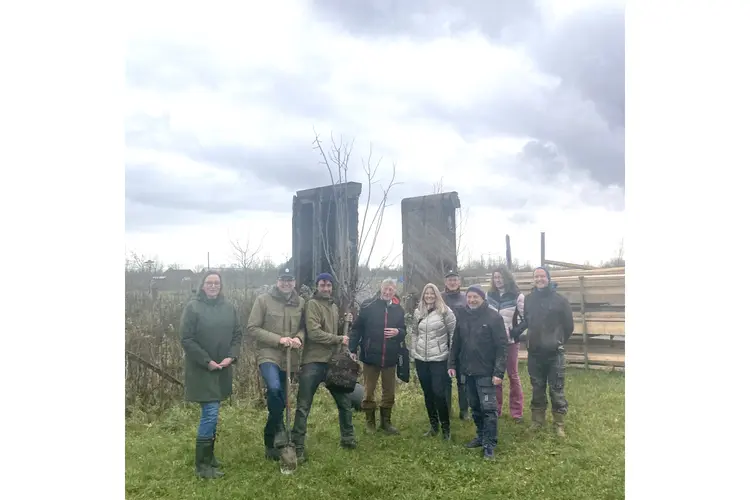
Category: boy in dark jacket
[549,320]
[378,332]
[479,344]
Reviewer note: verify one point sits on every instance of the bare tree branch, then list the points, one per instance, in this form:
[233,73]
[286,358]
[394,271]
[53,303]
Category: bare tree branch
[245,258]
[344,268]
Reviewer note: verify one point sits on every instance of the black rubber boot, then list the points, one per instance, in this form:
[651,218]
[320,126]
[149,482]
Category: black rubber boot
[203,468]
[489,453]
[385,421]
[434,427]
[272,454]
[214,461]
[446,430]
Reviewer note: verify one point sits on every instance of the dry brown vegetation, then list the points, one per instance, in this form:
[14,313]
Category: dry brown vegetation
[154,355]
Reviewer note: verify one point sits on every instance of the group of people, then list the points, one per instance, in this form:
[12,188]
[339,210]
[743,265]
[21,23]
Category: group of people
[471,336]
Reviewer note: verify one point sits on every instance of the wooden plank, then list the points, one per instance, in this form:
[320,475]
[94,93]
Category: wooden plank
[594,358]
[600,328]
[584,323]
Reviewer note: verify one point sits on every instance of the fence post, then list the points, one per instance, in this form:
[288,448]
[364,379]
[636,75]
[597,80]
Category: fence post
[585,326]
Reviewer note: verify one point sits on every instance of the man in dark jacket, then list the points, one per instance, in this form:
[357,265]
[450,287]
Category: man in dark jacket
[322,341]
[479,344]
[379,331]
[456,299]
[549,320]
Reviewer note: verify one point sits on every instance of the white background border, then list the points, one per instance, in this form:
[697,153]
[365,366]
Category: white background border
[62,202]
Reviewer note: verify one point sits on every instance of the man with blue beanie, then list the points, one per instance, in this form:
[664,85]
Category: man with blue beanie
[322,340]
[549,319]
[479,350]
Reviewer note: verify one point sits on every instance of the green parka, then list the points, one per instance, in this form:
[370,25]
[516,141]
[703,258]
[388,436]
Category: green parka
[274,316]
[210,330]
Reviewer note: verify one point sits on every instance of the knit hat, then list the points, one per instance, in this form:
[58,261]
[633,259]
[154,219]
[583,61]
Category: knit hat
[324,276]
[478,290]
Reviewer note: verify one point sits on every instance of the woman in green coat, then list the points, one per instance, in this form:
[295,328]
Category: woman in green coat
[211,337]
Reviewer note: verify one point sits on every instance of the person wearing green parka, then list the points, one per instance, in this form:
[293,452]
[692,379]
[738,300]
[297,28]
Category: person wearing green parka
[211,338]
[323,340]
[276,323]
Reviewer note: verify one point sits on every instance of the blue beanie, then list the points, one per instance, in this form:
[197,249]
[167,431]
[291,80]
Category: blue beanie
[552,285]
[478,290]
[324,276]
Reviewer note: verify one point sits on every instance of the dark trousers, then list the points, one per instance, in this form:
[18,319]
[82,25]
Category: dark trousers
[433,377]
[548,370]
[310,378]
[275,381]
[483,402]
[463,400]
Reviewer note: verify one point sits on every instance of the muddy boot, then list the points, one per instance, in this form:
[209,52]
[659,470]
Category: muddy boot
[537,419]
[559,419]
[474,443]
[370,425]
[348,443]
[385,421]
[301,457]
[203,467]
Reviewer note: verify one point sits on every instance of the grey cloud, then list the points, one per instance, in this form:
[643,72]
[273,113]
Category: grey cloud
[503,20]
[148,185]
[161,66]
[588,53]
[522,218]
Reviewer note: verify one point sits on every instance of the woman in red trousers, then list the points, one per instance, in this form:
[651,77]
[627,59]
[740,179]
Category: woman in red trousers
[505,296]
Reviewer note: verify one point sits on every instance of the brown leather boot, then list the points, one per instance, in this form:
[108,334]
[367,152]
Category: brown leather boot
[370,425]
[385,421]
[538,418]
[559,422]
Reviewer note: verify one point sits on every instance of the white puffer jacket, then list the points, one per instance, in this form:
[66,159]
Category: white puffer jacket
[432,335]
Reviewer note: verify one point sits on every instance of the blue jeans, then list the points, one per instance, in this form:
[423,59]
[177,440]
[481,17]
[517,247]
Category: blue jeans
[483,403]
[275,380]
[209,419]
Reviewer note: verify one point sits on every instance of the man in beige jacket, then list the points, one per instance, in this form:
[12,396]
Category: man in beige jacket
[276,322]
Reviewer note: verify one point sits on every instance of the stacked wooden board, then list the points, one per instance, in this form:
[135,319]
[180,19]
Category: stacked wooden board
[597,298]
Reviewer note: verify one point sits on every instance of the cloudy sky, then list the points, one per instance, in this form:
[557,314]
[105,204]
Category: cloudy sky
[516,105]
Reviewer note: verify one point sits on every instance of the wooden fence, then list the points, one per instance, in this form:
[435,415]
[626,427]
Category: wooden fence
[597,297]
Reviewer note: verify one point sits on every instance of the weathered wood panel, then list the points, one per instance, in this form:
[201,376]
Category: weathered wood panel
[315,220]
[428,225]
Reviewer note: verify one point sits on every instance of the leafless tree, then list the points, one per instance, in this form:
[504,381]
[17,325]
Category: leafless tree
[344,267]
[245,258]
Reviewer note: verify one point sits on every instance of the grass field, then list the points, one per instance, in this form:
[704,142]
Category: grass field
[589,464]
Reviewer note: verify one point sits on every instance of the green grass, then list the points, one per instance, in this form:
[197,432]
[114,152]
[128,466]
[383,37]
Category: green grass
[589,464]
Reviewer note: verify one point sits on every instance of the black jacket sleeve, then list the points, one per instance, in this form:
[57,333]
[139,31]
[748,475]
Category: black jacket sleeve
[567,320]
[355,334]
[455,346]
[500,340]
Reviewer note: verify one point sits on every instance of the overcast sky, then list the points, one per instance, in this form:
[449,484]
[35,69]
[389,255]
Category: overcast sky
[516,105]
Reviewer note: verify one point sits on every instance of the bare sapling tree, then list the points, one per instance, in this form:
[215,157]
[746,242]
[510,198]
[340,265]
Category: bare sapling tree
[245,259]
[347,257]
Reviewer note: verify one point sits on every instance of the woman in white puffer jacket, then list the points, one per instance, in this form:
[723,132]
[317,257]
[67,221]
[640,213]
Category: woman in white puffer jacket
[431,337]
